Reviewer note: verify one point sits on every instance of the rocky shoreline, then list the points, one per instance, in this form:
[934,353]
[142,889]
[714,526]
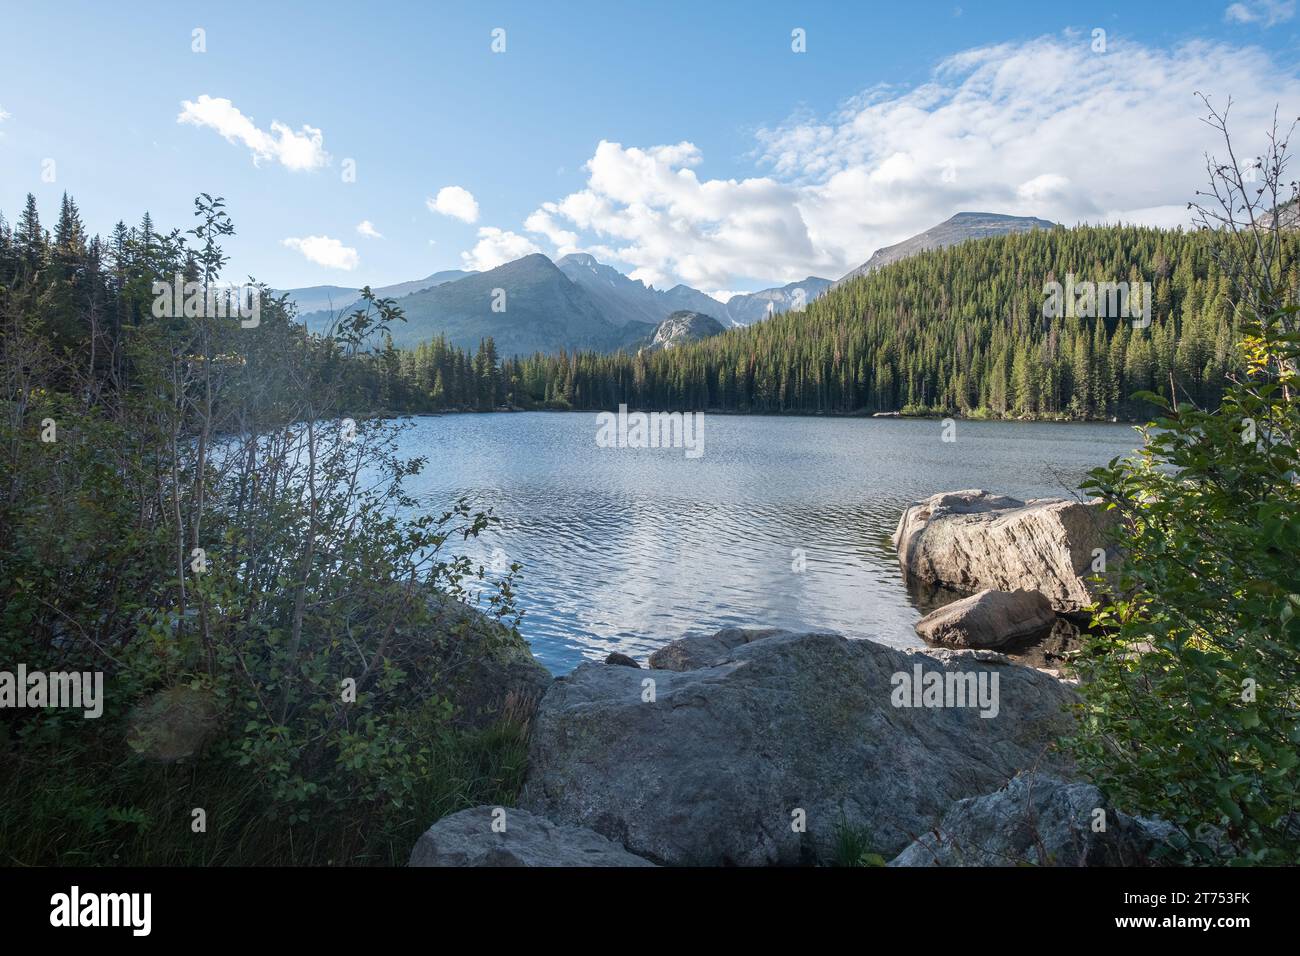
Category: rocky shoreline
[765,747]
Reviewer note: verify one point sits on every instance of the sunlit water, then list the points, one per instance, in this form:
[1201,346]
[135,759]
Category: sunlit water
[626,549]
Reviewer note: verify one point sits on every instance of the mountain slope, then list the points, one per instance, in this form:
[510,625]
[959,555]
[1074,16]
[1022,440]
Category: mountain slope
[318,298]
[594,307]
[538,308]
[623,299]
[620,298]
[747,308]
[318,306]
[958,229]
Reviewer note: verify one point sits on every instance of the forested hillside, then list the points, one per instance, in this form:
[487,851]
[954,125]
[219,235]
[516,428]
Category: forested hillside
[958,330]
[951,331]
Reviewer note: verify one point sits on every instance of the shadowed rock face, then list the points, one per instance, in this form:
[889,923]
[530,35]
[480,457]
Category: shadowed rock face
[972,540]
[721,760]
[1036,820]
[520,838]
[988,619]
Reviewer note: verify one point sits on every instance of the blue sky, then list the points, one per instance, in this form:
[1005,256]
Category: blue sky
[729,161]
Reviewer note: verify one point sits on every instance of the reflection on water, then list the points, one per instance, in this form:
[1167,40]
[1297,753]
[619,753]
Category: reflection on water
[625,549]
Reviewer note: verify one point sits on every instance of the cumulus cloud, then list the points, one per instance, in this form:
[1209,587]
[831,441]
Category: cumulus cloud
[1266,13]
[496,246]
[542,221]
[366,228]
[455,201]
[300,150]
[324,251]
[1044,127]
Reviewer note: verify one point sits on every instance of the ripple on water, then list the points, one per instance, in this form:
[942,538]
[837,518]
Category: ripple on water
[626,549]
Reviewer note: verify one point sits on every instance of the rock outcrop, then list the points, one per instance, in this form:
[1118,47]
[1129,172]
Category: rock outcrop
[972,540]
[1037,820]
[705,650]
[482,667]
[988,619]
[520,838]
[757,747]
[684,326]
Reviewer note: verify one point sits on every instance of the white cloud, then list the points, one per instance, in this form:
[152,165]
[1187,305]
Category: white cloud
[1267,13]
[1043,127]
[542,221]
[455,201]
[297,151]
[325,251]
[366,228]
[1044,188]
[496,246]
[4,115]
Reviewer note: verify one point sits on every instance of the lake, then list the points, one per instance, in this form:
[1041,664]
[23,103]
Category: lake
[781,522]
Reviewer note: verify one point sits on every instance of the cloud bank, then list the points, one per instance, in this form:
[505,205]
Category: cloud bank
[1045,127]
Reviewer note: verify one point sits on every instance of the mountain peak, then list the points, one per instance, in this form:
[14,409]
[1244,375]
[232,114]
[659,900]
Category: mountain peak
[952,231]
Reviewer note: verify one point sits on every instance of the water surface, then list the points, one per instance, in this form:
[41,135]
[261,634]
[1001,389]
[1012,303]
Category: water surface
[626,549]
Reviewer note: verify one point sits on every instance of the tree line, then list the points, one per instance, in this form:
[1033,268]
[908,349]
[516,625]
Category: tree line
[950,331]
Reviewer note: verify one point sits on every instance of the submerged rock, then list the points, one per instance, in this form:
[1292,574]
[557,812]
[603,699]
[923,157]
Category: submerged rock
[972,540]
[988,619]
[1037,820]
[498,836]
[757,749]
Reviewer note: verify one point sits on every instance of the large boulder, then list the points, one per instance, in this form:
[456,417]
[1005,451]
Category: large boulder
[483,668]
[971,540]
[1037,820]
[496,836]
[988,619]
[762,756]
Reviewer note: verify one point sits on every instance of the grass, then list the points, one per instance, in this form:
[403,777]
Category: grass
[97,806]
[853,847]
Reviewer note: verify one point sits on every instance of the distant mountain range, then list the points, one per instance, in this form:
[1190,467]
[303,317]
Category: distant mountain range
[576,302]
[961,227]
[536,305]
[336,298]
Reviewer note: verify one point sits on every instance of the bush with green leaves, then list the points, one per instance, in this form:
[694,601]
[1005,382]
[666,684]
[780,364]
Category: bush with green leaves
[1192,688]
[208,526]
